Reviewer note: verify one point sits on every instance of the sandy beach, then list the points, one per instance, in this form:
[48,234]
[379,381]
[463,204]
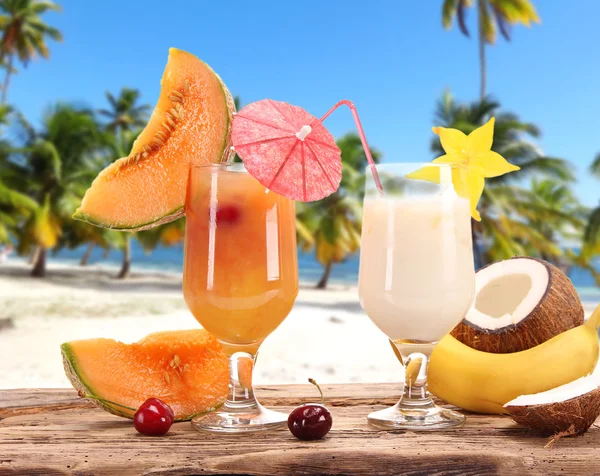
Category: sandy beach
[327,335]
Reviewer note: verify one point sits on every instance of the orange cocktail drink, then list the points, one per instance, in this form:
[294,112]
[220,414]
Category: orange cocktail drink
[240,277]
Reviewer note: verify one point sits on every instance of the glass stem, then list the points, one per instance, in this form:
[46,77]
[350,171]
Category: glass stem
[241,394]
[415,392]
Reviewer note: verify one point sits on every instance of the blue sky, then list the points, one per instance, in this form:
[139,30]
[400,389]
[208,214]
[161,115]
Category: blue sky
[392,58]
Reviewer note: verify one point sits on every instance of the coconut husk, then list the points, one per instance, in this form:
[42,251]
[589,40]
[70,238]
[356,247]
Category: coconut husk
[568,418]
[558,311]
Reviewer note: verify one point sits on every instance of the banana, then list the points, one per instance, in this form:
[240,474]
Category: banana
[483,382]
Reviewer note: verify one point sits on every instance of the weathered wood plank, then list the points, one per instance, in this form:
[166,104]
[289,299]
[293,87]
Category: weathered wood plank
[23,401]
[54,432]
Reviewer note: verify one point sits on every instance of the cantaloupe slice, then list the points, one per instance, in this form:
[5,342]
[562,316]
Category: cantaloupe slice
[186,369]
[191,124]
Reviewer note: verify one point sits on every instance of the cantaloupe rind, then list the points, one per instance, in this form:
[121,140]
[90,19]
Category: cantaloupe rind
[119,377]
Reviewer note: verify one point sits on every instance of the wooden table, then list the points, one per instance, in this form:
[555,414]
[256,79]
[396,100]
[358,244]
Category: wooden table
[55,432]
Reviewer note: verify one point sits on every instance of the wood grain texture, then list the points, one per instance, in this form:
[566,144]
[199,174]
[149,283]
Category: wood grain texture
[54,432]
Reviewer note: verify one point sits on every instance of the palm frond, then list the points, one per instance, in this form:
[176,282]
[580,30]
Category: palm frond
[461,15]
[548,166]
[500,20]
[15,199]
[595,167]
[592,230]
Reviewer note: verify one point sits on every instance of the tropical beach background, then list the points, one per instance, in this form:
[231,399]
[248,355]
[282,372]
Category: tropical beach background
[79,81]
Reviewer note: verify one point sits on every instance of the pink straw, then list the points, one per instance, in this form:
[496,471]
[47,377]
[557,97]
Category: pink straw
[363,139]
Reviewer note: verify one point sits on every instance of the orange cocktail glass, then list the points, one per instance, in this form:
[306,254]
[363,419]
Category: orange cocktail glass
[240,278]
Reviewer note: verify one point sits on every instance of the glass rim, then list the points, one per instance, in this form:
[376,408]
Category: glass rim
[236,167]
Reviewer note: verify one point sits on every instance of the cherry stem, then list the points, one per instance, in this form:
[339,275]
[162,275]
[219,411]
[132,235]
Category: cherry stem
[93,397]
[314,382]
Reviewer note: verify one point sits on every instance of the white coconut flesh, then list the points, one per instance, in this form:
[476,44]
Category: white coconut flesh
[565,392]
[507,292]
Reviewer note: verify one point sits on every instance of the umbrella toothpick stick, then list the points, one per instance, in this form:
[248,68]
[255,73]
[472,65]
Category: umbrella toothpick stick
[363,139]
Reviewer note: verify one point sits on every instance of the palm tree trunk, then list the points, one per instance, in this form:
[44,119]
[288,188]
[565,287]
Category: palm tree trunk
[482,65]
[106,253]
[126,266]
[85,259]
[9,67]
[34,255]
[322,284]
[39,267]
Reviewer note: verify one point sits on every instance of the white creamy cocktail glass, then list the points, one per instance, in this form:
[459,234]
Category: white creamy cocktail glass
[417,278]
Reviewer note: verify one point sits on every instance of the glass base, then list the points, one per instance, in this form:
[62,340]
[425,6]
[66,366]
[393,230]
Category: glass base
[240,420]
[424,418]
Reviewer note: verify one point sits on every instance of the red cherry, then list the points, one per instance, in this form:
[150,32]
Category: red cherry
[311,421]
[227,214]
[153,418]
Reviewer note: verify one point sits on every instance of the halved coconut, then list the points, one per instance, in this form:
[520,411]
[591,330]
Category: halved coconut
[570,408]
[519,303]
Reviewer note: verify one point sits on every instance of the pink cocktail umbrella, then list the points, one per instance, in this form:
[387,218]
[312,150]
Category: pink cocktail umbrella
[289,150]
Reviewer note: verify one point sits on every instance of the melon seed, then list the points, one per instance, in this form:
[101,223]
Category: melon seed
[170,120]
[167,378]
[172,117]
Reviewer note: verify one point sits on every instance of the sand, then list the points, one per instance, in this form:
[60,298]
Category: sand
[327,335]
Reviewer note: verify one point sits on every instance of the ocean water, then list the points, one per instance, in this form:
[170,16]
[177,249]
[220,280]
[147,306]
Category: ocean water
[310,270]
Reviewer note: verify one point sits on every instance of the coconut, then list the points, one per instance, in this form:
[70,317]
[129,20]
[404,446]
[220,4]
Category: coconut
[566,410]
[519,303]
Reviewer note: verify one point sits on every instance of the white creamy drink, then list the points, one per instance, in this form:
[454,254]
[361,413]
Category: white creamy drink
[416,279]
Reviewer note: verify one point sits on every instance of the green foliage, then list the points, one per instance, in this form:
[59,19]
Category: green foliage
[168,234]
[494,15]
[595,167]
[24,33]
[124,112]
[591,241]
[332,225]
[515,220]
[48,168]
[15,206]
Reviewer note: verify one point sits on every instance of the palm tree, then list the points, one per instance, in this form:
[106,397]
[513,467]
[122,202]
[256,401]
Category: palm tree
[554,218]
[591,241]
[24,33]
[491,15]
[125,112]
[54,167]
[14,206]
[169,234]
[76,233]
[332,225]
[504,206]
[125,118]
[118,145]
